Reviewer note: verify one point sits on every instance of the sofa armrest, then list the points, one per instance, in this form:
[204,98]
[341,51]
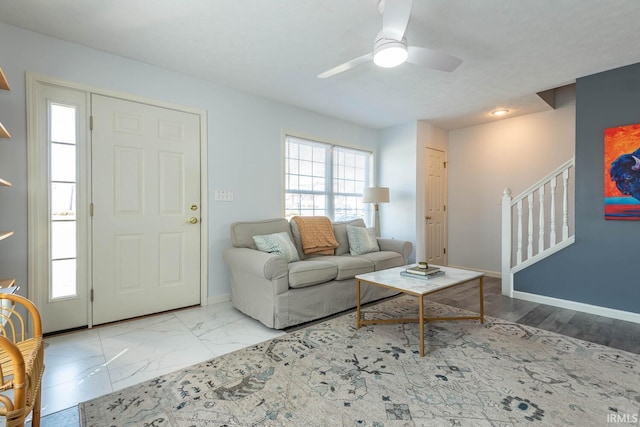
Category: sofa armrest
[257,263]
[258,280]
[403,247]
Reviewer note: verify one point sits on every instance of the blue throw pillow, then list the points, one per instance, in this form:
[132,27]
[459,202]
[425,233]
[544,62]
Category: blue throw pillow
[279,244]
[362,240]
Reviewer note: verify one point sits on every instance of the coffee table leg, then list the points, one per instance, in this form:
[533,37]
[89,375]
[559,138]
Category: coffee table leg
[481,301]
[421,320]
[358,303]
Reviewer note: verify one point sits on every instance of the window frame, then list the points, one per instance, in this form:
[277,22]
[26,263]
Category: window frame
[330,191]
[55,292]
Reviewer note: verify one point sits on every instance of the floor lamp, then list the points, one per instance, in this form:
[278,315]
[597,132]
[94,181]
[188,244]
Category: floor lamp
[376,195]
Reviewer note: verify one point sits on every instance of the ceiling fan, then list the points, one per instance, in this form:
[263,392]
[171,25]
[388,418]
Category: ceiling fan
[390,46]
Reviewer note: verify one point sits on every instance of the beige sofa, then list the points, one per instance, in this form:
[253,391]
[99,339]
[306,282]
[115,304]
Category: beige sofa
[281,294]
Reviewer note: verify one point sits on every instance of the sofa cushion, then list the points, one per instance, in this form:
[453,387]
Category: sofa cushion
[308,273]
[242,232]
[348,266]
[384,259]
[361,240]
[340,231]
[279,244]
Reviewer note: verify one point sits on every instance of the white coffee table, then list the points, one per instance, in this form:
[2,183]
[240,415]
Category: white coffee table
[418,287]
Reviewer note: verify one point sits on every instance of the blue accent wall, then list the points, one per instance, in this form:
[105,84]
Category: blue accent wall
[602,267]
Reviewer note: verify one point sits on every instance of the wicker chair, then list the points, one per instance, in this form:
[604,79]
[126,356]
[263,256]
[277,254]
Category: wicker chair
[21,360]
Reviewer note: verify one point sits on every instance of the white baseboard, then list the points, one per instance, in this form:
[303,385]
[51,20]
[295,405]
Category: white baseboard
[488,273]
[219,298]
[579,306]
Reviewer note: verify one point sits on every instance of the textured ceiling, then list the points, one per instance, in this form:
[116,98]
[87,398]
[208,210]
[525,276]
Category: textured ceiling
[511,49]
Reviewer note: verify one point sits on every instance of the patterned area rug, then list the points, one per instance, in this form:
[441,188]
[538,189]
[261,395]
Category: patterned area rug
[330,373]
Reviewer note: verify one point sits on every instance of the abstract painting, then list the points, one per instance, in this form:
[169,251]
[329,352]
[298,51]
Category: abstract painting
[622,173]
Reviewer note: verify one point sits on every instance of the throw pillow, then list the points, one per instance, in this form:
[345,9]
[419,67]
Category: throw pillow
[279,244]
[340,230]
[362,240]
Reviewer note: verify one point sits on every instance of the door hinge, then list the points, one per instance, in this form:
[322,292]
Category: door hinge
[445,208]
[90,122]
[91,209]
[444,250]
[445,164]
[92,295]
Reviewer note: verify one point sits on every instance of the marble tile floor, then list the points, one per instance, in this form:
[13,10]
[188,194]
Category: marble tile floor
[89,363]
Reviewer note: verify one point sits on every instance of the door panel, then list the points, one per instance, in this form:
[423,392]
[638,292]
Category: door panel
[171,185]
[128,260]
[146,175]
[435,214]
[171,258]
[128,191]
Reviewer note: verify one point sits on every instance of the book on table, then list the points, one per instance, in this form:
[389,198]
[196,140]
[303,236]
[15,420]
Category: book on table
[422,271]
[420,276]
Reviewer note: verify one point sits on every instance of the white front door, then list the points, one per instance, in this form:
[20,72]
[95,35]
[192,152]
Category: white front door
[435,209]
[146,209]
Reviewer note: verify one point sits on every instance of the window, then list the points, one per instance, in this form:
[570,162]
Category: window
[63,200]
[59,203]
[324,179]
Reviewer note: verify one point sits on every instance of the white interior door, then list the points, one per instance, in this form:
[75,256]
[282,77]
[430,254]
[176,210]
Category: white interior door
[146,209]
[435,207]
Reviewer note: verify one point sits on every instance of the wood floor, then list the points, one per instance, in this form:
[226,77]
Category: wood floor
[589,327]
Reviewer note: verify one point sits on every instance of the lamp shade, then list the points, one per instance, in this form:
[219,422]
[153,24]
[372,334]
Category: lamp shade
[376,195]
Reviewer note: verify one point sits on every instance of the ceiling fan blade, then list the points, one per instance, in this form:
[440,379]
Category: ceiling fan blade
[395,17]
[433,59]
[347,66]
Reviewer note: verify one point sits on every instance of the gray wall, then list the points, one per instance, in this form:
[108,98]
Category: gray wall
[601,267]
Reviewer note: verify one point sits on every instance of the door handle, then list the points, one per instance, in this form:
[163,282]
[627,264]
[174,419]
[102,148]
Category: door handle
[427,218]
[193,220]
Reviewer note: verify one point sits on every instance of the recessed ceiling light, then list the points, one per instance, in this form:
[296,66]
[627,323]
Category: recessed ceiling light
[499,112]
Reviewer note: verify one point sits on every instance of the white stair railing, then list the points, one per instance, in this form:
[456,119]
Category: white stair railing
[518,221]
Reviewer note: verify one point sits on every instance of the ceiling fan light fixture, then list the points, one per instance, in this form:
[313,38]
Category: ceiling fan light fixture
[389,53]
[390,57]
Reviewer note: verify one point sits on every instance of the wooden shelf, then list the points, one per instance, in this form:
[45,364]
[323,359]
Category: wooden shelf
[3,132]
[5,283]
[4,84]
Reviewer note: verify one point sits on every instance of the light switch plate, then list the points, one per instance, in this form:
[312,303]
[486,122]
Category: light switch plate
[223,196]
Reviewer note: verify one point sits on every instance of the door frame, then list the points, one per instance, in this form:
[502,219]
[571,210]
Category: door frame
[36,275]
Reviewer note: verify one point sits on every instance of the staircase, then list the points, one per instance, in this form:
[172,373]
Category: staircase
[537,223]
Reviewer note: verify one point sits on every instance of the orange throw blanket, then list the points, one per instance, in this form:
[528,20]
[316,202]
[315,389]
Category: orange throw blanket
[316,234]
